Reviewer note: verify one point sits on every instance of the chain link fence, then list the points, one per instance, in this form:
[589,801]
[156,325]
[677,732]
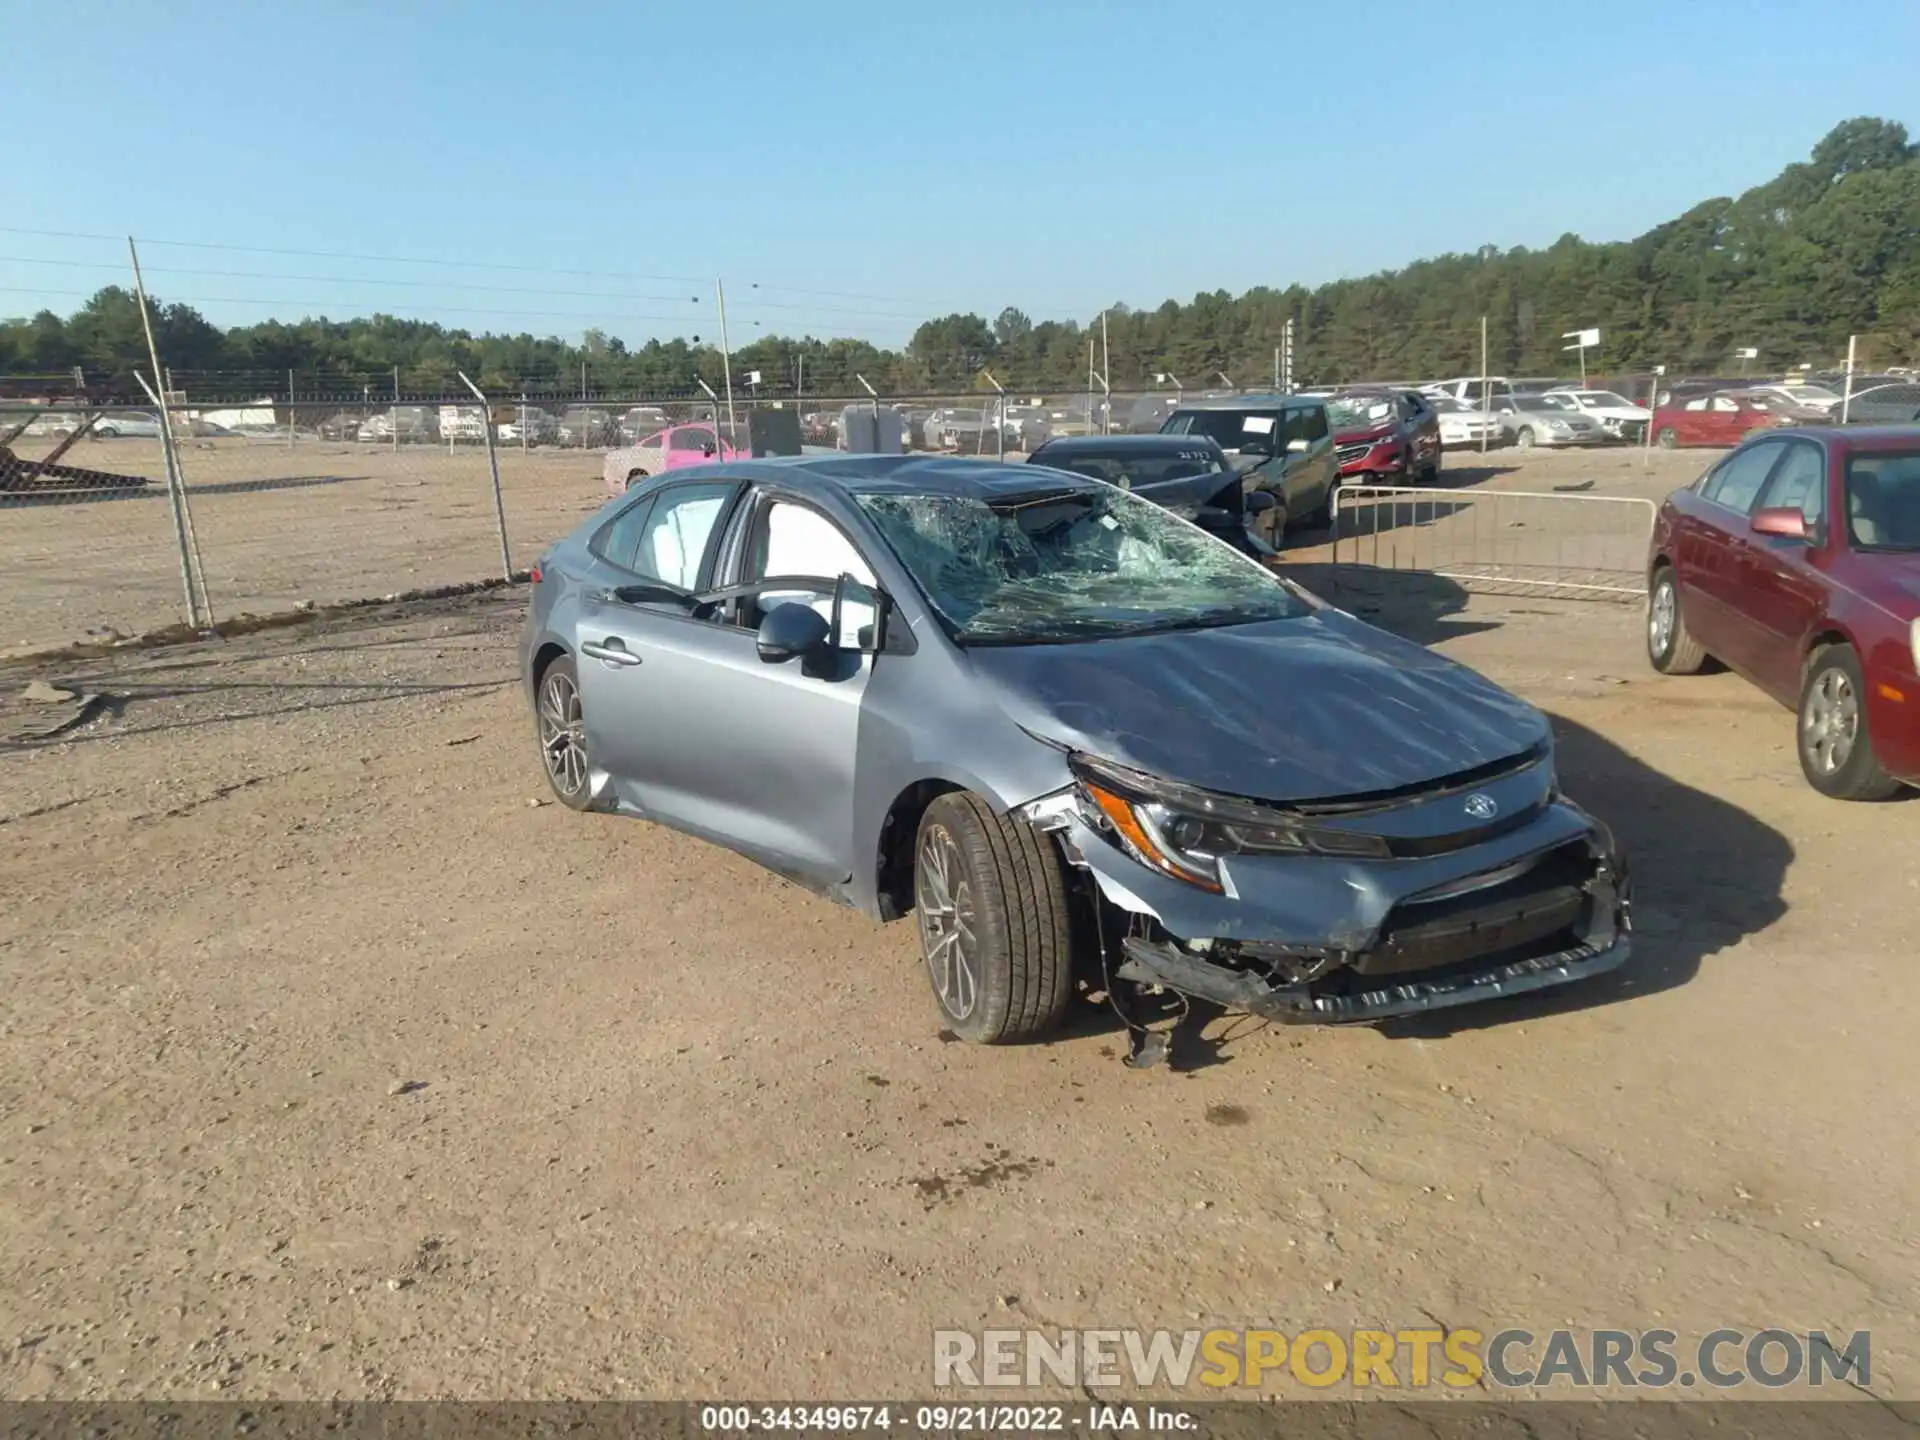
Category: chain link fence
[286,505]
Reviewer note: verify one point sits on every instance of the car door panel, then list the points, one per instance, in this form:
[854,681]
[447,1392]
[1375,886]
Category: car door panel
[1783,582]
[1711,551]
[757,756]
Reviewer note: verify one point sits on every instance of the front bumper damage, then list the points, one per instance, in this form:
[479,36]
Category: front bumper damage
[1325,940]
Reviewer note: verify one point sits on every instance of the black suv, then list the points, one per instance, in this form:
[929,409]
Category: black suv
[1187,474]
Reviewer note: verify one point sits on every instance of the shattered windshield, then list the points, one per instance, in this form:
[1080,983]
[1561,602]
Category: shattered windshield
[1057,564]
[1349,412]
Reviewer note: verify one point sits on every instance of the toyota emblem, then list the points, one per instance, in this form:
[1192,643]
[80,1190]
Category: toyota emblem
[1482,807]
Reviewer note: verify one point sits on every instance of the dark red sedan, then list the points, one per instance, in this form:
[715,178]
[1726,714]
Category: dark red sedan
[1795,561]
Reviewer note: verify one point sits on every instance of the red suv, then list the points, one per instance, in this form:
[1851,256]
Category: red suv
[1382,436]
[1796,562]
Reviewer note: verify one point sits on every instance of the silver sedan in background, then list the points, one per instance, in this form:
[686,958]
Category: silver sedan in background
[1548,420]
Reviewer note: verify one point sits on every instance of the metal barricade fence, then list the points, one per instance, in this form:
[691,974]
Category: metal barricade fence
[1515,541]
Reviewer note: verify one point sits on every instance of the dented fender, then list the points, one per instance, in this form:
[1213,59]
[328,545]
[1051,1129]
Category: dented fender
[1303,900]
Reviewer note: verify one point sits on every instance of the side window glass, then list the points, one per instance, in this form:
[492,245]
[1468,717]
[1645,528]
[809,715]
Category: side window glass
[692,438]
[1296,425]
[797,540]
[1736,484]
[673,541]
[1801,483]
[619,542]
[1178,425]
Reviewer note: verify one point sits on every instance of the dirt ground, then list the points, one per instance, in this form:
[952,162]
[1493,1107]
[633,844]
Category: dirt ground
[337,1062]
[328,521]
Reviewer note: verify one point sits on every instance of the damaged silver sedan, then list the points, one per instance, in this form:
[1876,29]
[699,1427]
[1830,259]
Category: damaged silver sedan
[1085,744]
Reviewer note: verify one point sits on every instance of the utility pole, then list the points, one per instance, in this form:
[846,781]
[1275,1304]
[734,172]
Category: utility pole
[1106,377]
[1286,368]
[1486,396]
[1846,393]
[395,427]
[726,354]
[176,482]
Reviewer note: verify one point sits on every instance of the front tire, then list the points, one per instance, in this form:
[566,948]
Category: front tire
[1668,437]
[990,900]
[1670,646]
[1525,438]
[560,724]
[1836,751]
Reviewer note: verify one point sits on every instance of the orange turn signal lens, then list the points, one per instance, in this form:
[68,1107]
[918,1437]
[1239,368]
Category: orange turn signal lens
[1144,847]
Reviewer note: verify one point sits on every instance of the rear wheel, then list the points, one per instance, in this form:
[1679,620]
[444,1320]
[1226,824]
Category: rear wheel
[1836,752]
[1670,647]
[990,899]
[561,726]
[634,477]
[1668,437]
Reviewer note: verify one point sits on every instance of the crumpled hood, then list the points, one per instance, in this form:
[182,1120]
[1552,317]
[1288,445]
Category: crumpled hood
[1287,710]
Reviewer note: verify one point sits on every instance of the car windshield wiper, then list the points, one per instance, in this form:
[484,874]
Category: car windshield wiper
[1068,630]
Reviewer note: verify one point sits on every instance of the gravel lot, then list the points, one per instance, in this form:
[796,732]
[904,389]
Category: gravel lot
[335,1063]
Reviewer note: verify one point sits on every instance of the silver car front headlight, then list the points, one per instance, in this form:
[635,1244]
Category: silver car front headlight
[1185,832]
[1559,427]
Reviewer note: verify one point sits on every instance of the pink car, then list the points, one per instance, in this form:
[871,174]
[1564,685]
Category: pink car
[670,449]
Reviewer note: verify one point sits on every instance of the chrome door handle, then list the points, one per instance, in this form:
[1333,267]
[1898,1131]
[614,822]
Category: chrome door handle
[611,650]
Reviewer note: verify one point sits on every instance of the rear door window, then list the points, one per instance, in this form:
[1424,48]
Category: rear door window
[1736,484]
[1801,482]
[671,544]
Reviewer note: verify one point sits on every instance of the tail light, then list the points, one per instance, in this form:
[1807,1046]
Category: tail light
[535,576]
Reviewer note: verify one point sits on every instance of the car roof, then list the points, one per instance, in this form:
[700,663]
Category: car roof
[1124,444]
[851,475]
[1852,437]
[1245,402]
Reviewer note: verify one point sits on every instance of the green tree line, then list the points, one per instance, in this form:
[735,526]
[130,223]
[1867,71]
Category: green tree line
[1827,249]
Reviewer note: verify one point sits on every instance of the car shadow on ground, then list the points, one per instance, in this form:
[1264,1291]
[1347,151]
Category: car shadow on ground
[1706,875]
[1414,604]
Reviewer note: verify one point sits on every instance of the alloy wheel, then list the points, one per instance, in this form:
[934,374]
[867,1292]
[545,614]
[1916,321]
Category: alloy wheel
[563,737]
[1661,614]
[1831,725]
[943,900]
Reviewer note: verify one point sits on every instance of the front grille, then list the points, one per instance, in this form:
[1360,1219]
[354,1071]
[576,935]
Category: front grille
[1537,912]
[1347,454]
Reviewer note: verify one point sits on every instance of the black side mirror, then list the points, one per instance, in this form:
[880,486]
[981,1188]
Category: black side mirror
[792,631]
[1259,502]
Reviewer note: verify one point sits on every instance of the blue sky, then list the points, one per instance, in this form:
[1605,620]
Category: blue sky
[850,168]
